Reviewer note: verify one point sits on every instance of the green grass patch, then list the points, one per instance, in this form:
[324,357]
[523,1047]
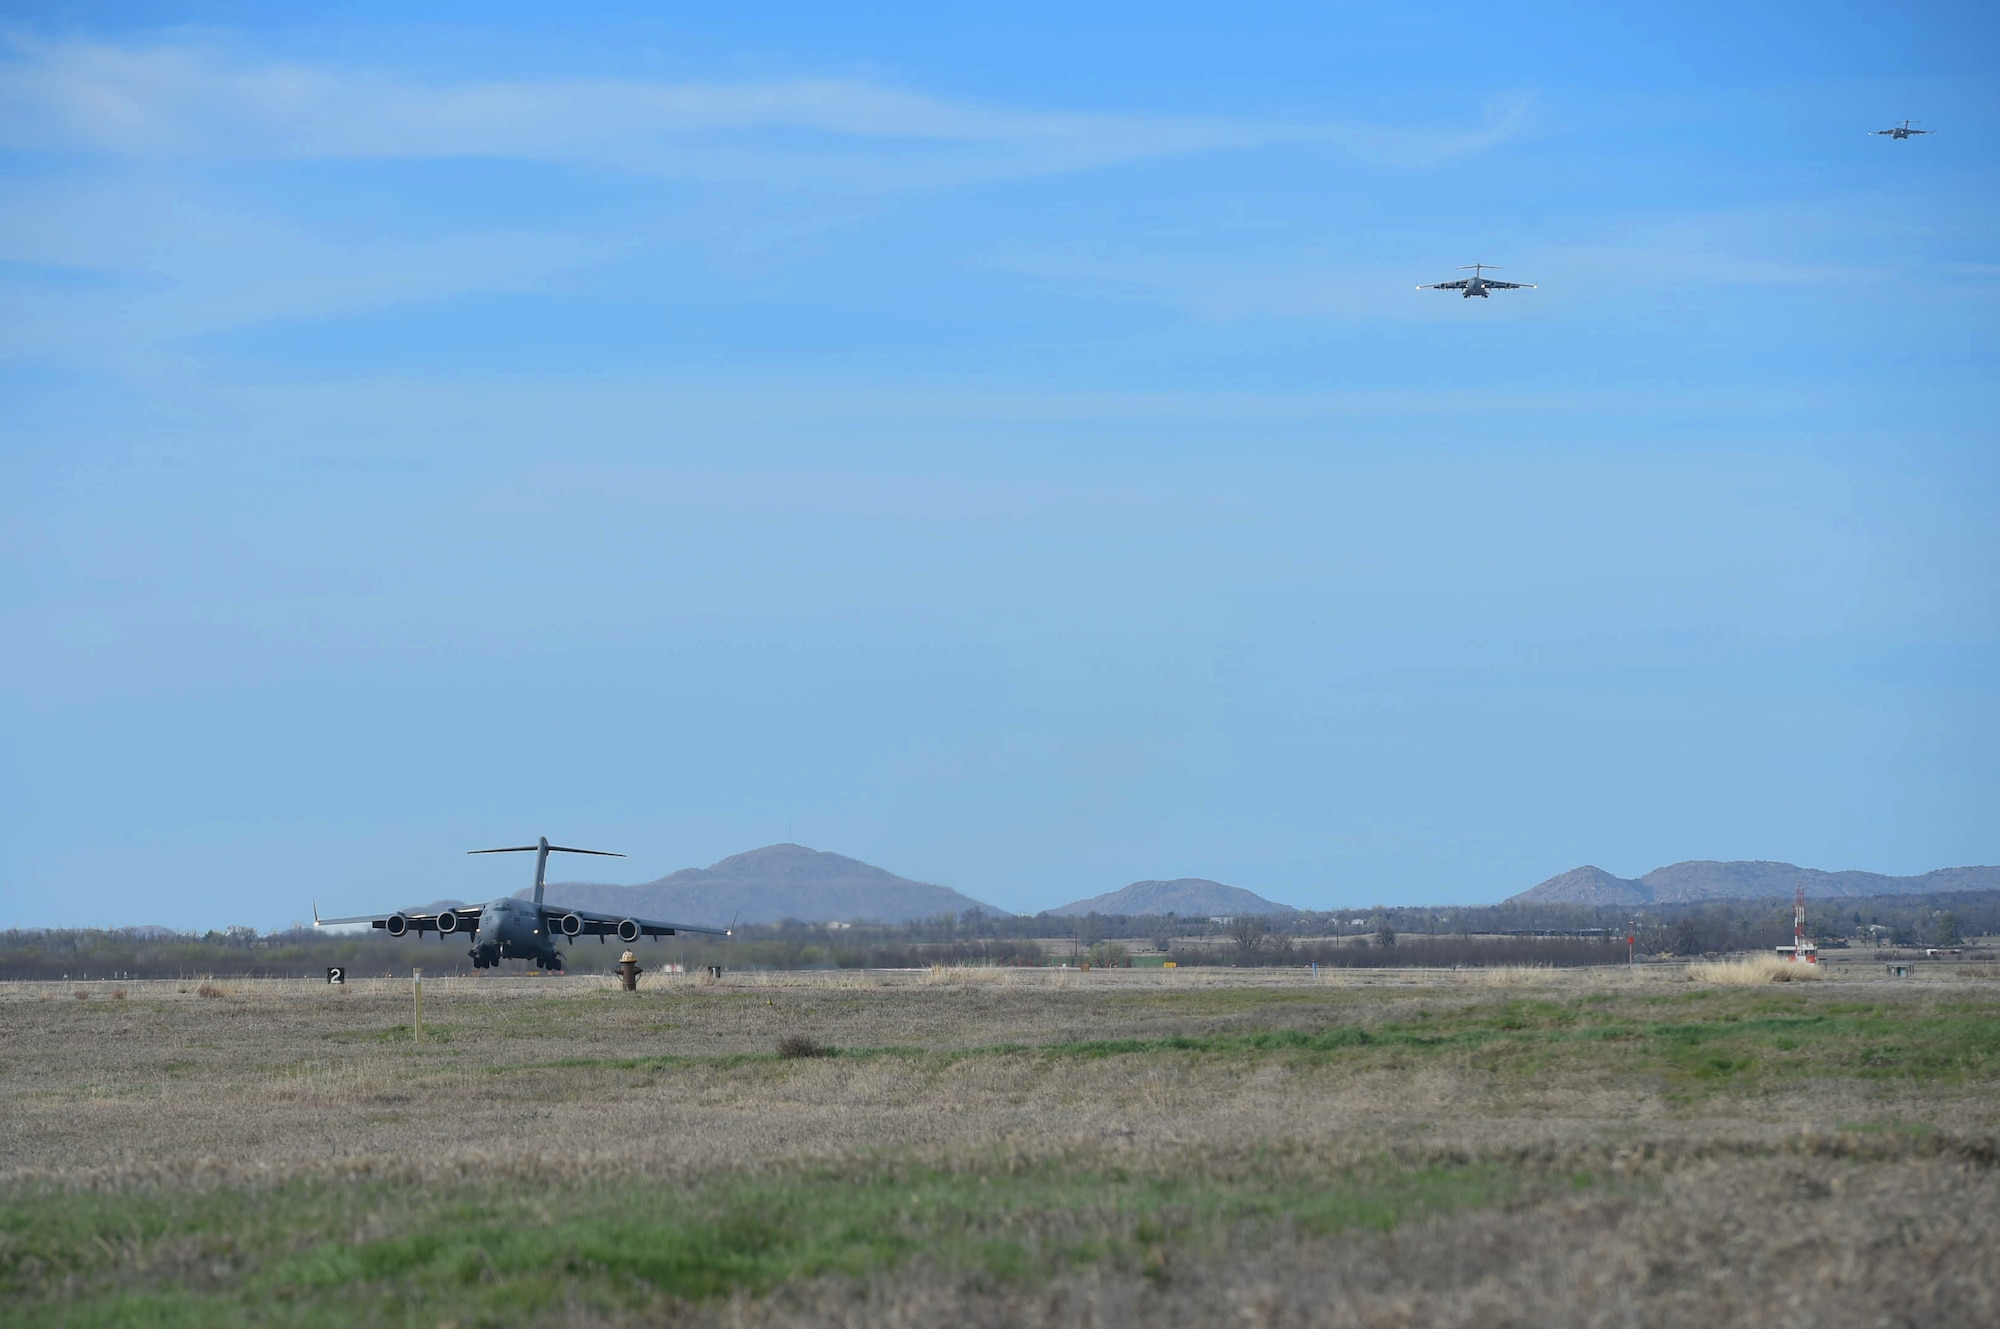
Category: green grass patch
[1740,1045]
[1698,1042]
[380,1253]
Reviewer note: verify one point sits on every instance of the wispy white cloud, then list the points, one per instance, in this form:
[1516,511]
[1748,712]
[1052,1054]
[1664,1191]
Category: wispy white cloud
[167,264]
[201,102]
[1700,262]
[787,411]
[166,252]
[1699,249]
[1225,287]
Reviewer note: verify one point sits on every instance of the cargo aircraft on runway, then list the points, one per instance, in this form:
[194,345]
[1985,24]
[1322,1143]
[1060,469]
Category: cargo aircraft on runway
[515,929]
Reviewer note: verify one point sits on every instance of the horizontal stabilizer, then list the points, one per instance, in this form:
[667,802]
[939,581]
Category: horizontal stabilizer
[554,849]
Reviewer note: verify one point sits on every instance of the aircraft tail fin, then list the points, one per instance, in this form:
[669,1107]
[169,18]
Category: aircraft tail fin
[541,849]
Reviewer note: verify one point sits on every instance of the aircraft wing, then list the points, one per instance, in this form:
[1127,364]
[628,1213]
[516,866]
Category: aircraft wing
[1510,285]
[466,917]
[1450,286]
[596,924]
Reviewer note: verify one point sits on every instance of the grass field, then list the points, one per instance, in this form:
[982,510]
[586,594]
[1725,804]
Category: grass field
[1002,1147]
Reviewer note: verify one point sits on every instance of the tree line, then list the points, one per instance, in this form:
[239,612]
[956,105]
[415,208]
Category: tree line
[1377,935]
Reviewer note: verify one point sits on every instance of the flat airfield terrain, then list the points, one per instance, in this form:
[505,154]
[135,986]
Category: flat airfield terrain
[1006,1147]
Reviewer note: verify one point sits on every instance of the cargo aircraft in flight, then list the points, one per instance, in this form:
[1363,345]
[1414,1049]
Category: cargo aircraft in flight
[514,929]
[1901,131]
[1478,283]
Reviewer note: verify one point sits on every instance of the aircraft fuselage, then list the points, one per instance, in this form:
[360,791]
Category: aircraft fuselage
[514,929]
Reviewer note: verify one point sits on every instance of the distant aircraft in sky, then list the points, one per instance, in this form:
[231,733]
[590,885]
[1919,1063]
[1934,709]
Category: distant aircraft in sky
[1901,131]
[1478,284]
[520,929]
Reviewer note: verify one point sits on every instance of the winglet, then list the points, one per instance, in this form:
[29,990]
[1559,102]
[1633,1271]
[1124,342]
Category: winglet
[315,913]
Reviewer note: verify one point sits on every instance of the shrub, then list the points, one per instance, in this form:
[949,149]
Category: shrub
[802,1045]
[1108,955]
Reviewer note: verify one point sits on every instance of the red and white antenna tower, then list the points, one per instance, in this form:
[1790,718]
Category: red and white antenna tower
[1803,951]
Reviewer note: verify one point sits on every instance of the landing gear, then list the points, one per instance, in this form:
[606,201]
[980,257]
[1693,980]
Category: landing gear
[489,957]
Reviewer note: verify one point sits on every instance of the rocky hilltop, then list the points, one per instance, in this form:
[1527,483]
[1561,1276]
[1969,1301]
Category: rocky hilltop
[769,885]
[1190,897]
[1683,883]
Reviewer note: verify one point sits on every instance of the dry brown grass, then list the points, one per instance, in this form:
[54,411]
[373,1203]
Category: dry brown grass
[1507,976]
[1754,970]
[1834,1197]
[296,1076]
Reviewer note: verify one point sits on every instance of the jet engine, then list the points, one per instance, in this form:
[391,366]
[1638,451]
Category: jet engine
[628,930]
[570,924]
[447,921]
[396,925]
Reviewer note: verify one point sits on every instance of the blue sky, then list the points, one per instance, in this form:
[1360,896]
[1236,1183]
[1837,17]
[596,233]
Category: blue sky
[1007,449]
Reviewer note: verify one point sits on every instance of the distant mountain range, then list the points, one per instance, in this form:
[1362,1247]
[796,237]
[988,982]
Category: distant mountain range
[1189,897]
[769,885]
[783,881]
[1684,883]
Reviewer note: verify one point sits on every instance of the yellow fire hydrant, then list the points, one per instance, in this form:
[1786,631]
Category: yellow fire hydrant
[629,971]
